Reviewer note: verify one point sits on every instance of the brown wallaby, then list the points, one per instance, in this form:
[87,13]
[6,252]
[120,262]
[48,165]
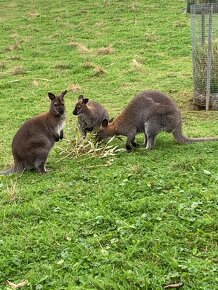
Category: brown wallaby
[35,138]
[149,112]
[90,115]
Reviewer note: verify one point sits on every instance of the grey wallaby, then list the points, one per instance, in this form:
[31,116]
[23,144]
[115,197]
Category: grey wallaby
[35,138]
[149,112]
[90,115]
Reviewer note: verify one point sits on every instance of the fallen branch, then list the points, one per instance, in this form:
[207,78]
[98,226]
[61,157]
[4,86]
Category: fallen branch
[177,285]
[17,286]
[14,81]
[42,79]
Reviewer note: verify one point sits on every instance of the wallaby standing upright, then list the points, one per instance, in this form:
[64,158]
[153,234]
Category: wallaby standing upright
[35,138]
[149,112]
[90,115]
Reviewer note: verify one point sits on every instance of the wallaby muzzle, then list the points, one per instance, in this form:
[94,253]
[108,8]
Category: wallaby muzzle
[61,111]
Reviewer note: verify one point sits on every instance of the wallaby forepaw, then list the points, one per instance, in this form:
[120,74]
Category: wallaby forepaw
[134,144]
[128,148]
[61,135]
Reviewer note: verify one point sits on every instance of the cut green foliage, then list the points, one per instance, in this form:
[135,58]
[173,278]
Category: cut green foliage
[79,147]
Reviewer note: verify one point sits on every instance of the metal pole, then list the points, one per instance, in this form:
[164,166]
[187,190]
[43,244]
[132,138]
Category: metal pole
[203,27]
[209,57]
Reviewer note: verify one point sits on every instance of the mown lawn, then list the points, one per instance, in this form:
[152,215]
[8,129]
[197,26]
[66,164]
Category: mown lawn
[139,220]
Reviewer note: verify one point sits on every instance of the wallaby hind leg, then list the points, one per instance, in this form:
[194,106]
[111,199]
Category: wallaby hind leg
[151,131]
[150,141]
[177,134]
[40,162]
[41,168]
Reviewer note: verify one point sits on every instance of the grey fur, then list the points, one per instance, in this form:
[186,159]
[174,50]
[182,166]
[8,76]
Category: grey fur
[90,115]
[149,112]
[35,138]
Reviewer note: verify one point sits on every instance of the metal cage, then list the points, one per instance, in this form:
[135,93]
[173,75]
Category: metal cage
[205,54]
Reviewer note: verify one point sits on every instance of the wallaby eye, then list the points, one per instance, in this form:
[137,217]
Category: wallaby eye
[55,104]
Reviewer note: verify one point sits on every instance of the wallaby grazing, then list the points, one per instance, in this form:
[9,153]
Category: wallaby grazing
[149,112]
[35,138]
[90,115]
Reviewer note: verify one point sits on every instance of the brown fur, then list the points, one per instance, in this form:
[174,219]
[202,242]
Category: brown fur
[90,115]
[35,138]
[149,112]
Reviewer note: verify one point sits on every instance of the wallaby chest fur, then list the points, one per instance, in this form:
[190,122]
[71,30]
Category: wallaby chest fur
[90,114]
[149,112]
[35,138]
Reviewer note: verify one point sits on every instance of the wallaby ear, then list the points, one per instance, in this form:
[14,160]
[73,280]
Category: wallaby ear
[104,123]
[80,98]
[85,101]
[51,96]
[63,93]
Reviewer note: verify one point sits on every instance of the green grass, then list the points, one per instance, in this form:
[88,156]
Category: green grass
[131,221]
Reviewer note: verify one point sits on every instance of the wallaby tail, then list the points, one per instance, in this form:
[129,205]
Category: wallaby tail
[10,171]
[180,138]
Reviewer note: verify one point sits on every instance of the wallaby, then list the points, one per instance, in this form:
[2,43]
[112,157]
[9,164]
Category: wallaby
[35,138]
[90,115]
[149,112]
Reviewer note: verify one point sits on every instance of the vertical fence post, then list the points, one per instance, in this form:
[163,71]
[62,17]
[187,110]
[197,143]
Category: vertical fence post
[203,27]
[209,57]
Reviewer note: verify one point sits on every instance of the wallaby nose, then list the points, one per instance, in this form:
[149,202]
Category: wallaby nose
[74,112]
[61,111]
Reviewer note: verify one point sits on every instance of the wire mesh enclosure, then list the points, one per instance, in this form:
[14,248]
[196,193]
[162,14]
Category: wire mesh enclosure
[205,54]
[191,2]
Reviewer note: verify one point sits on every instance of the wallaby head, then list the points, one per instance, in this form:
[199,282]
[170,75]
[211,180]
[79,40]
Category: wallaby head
[106,130]
[57,106]
[81,106]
